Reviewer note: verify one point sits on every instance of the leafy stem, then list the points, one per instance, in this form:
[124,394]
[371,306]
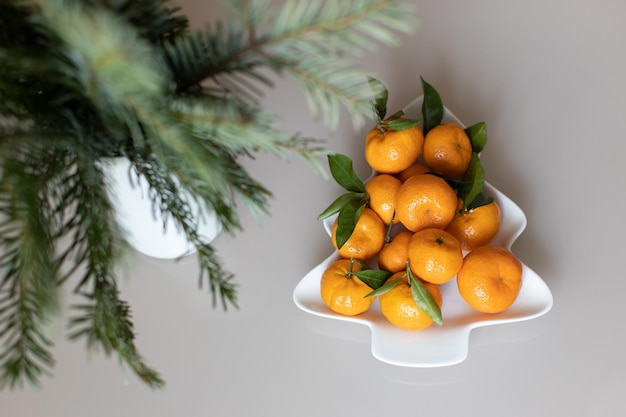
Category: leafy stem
[347,206]
[423,299]
[432,107]
[385,288]
[396,121]
[470,187]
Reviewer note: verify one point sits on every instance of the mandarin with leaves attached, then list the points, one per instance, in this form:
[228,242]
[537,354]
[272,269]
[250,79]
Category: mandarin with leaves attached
[342,291]
[434,255]
[475,227]
[390,151]
[367,238]
[399,307]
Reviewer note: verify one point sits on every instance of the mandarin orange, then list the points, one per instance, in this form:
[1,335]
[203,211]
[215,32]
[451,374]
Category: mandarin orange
[342,291]
[415,169]
[390,151]
[447,149]
[381,190]
[366,240]
[490,279]
[475,227]
[434,255]
[398,305]
[424,201]
[393,256]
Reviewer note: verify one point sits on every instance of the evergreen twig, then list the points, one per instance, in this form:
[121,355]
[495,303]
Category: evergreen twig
[82,81]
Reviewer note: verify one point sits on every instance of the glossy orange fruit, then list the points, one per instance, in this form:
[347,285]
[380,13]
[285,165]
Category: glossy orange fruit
[381,190]
[366,240]
[434,255]
[425,201]
[490,279]
[391,151]
[393,256]
[415,169]
[342,291]
[447,149]
[398,306]
[475,227]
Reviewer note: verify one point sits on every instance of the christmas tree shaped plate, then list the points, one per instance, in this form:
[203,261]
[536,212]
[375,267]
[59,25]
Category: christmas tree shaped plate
[449,344]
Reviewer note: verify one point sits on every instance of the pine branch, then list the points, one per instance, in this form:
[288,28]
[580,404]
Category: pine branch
[153,19]
[304,38]
[85,80]
[96,242]
[235,127]
[348,26]
[212,53]
[27,274]
[309,39]
[129,103]
[173,202]
[99,62]
[25,356]
[105,322]
[328,89]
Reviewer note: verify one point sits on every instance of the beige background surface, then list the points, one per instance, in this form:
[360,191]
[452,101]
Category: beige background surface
[548,79]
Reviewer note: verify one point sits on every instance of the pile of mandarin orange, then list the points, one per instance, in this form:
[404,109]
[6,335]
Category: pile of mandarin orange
[434,239]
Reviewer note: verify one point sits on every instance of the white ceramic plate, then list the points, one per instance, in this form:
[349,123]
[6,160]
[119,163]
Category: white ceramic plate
[436,346]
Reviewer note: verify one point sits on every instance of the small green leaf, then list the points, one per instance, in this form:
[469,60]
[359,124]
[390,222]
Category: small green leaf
[424,299]
[343,172]
[374,278]
[477,134]
[385,288]
[481,199]
[401,124]
[339,203]
[397,114]
[346,221]
[381,95]
[475,176]
[432,107]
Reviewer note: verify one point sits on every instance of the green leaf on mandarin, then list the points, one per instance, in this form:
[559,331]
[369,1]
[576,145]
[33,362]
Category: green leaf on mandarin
[477,134]
[346,221]
[401,124]
[424,299]
[342,171]
[432,107]
[381,95]
[481,199]
[385,288]
[475,176]
[339,203]
[374,278]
